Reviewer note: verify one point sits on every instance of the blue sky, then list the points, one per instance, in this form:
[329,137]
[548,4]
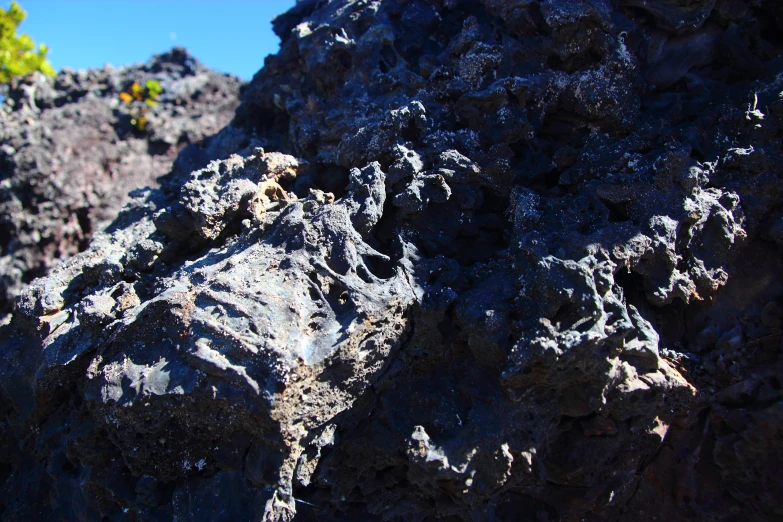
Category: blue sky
[232,36]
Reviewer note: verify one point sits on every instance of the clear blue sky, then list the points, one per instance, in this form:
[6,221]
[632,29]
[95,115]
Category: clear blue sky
[232,36]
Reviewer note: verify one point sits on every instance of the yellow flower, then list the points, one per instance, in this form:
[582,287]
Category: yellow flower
[137,91]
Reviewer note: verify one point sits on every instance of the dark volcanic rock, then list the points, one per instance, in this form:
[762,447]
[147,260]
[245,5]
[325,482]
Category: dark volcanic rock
[69,154]
[499,260]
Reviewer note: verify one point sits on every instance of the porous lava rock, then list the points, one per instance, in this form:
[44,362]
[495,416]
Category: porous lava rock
[453,260]
[69,154]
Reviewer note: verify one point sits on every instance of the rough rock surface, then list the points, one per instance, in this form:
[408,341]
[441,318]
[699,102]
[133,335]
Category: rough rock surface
[471,260]
[69,154]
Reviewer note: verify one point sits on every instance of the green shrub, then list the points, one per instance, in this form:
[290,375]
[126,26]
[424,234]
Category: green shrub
[18,56]
[139,100]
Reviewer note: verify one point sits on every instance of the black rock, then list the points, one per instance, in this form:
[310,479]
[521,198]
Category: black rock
[460,260]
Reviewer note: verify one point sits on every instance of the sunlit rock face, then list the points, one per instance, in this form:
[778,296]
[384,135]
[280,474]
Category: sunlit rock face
[69,154]
[458,260]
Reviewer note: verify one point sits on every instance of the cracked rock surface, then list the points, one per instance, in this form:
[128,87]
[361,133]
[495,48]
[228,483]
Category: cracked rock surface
[69,154]
[489,260]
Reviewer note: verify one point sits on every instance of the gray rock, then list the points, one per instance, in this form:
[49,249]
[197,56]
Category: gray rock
[69,155]
[495,260]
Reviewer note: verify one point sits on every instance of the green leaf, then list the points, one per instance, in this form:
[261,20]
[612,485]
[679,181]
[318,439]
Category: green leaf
[18,53]
[153,88]
[16,13]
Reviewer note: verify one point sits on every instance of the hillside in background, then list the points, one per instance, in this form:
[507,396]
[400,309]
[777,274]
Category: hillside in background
[69,154]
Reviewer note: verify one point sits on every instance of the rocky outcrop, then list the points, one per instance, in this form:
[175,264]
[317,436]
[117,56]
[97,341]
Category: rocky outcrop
[69,154]
[497,260]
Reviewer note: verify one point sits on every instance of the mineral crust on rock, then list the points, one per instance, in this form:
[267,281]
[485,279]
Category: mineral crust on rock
[489,260]
[69,154]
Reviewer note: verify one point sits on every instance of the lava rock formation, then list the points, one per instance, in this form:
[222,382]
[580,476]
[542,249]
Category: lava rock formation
[69,155]
[488,260]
